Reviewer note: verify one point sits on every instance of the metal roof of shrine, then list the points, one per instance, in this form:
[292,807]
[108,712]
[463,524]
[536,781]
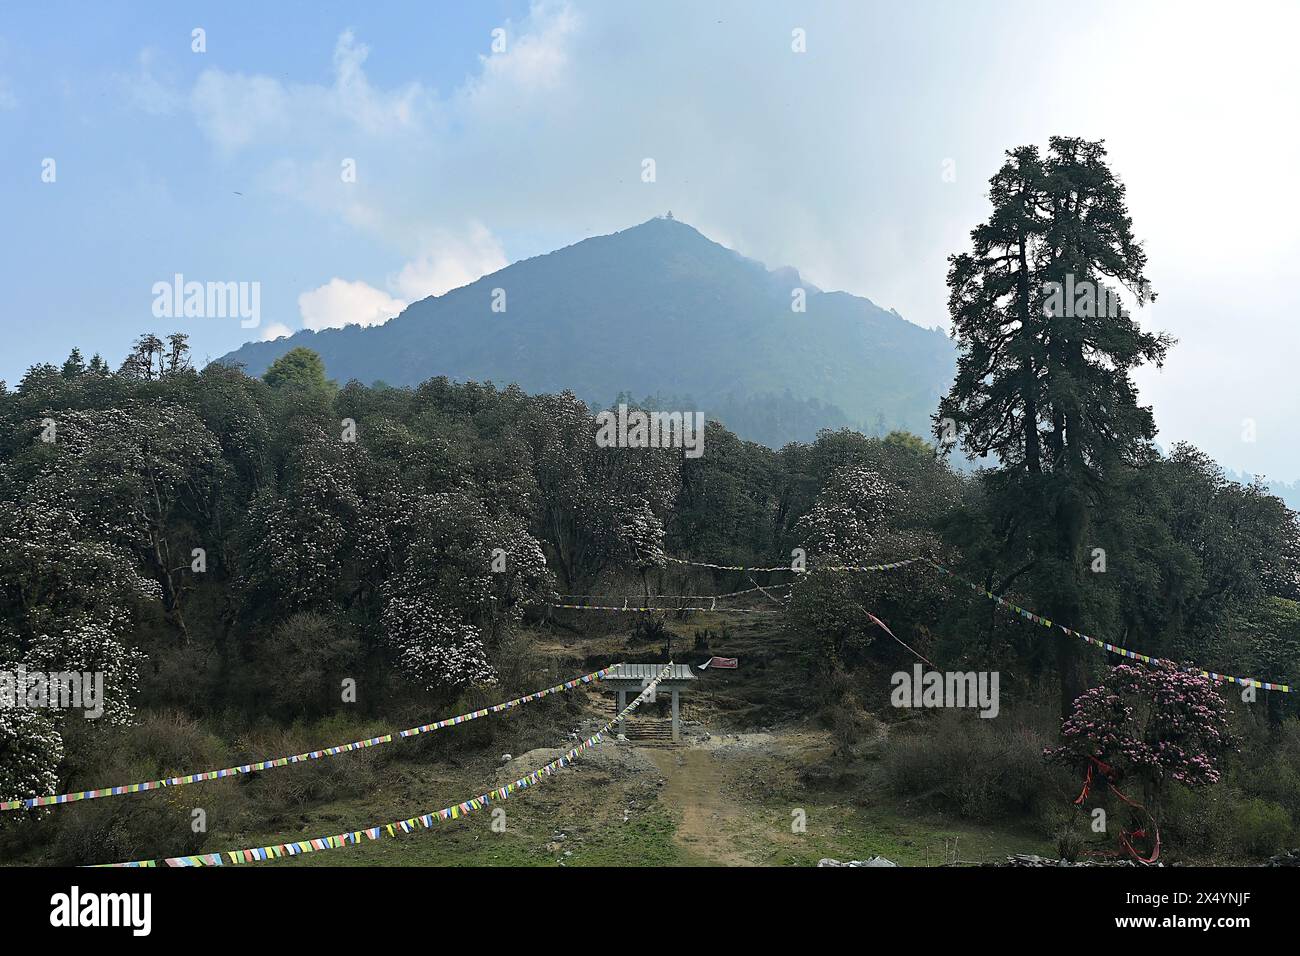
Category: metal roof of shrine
[640,672]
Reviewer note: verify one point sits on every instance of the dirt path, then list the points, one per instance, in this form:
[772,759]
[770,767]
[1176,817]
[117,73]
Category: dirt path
[711,820]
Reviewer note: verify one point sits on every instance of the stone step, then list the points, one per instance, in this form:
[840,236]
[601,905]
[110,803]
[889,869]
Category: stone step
[647,728]
[640,726]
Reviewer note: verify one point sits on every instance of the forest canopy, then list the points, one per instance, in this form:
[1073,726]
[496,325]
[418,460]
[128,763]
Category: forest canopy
[212,541]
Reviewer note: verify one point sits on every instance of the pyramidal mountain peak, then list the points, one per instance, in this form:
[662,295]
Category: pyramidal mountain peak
[656,311]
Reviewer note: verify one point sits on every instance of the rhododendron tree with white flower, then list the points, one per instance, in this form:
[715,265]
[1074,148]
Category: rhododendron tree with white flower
[596,504]
[433,649]
[93,646]
[31,739]
[49,569]
[642,535]
[446,547]
[860,518]
[142,475]
[301,536]
[448,603]
[78,517]
[30,751]
[1159,725]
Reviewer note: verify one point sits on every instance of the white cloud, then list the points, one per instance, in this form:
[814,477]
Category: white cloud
[409,144]
[354,98]
[235,110]
[449,262]
[276,330]
[146,91]
[232,109]
[339,303]
[535,59]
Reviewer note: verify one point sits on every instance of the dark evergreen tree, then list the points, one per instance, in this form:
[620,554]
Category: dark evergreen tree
[74,365]
[1048,347]
[178,352]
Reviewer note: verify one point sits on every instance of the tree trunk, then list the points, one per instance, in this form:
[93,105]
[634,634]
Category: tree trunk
[1029,393]
[1071,519]
[1070,671]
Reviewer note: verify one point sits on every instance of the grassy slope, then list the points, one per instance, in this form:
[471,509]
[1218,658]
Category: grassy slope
[727,804]
[727,800]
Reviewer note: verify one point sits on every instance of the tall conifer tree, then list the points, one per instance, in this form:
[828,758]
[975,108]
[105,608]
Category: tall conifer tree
[1047,350]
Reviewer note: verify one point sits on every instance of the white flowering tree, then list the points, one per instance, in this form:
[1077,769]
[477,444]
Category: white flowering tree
[50,571]
[641,534]
[599,507]
[140,476]
[73,533]
[852,510]
[92,646]
[433,649]
[301,537]
[465,577]
[31,749]
[860,518]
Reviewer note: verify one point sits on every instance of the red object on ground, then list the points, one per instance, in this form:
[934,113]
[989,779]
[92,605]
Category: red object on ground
[1125,836]
[728,663]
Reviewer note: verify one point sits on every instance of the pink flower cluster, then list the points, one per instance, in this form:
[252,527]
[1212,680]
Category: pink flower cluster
[1158,723]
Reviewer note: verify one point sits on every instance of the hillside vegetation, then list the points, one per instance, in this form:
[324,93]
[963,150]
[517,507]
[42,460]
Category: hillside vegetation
[347,534]
[254,565]
[657,311]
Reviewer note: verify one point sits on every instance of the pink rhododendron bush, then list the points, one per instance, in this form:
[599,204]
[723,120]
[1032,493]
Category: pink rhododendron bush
[1150,725]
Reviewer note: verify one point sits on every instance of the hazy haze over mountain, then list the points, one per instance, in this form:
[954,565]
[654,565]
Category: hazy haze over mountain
[864,160]
[657,310]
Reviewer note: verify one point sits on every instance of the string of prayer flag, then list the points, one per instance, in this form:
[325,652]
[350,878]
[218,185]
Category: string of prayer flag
[610,607]
[355,837]
[55,799]
[1026,614]
[1038,619]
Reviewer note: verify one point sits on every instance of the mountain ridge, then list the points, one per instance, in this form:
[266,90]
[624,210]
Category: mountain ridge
[656,309]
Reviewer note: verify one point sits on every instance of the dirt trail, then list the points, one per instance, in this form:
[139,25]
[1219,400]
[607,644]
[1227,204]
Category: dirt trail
[713,823]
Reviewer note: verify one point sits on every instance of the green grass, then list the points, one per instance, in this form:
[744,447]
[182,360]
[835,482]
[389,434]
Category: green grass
[645,840]
[858,833]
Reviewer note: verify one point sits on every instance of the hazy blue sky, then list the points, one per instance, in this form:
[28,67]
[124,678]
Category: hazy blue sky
[225,164]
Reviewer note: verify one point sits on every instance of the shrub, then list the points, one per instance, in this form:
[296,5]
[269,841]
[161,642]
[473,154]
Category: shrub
[116,830]
[978,769]
[170,742]
[1069,842]
[1199,821]
[146,825]
[1260,827]
[281,793]
[707,638]
[1223,824]
[1271,769]
[649,629]
[299,669]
